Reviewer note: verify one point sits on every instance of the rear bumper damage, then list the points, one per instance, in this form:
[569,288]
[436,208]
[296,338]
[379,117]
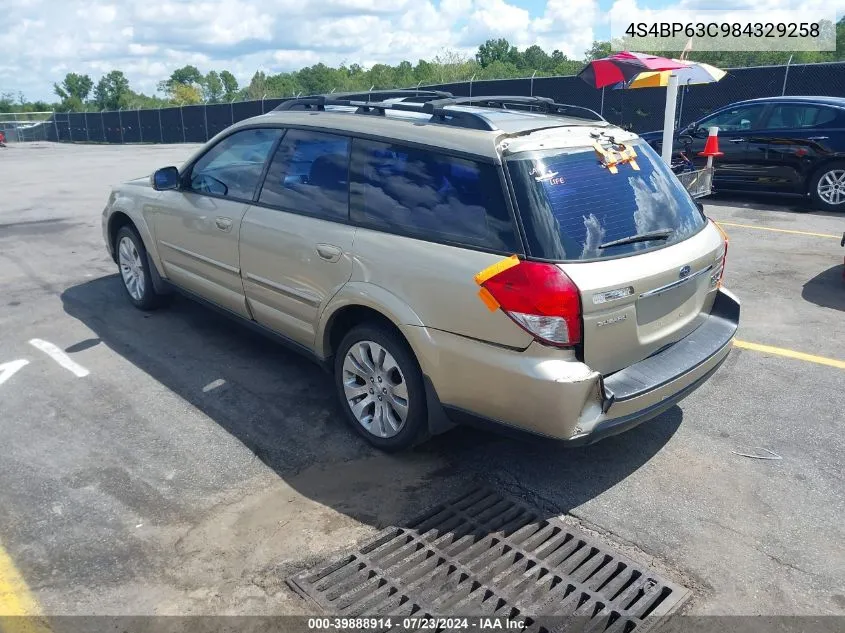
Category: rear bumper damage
[563,399]
[646,389]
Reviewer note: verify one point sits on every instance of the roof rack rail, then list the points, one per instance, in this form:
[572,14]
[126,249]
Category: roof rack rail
[457,118]
[505,102]
[393,94]
[366,95]
[437,107]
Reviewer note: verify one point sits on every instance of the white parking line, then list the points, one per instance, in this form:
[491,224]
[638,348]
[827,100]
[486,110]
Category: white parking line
[7,370]
[60,357]
[213,385]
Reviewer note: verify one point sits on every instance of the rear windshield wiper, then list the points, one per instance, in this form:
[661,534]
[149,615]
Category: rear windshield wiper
[660,234]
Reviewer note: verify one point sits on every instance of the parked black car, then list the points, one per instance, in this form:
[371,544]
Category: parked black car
[791,145]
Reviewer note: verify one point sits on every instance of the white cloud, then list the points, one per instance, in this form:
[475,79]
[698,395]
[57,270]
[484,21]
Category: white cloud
[630,10]
[41,40]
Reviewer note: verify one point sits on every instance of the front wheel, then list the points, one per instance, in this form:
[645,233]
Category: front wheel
[380,387]
[135,269]
[827,187]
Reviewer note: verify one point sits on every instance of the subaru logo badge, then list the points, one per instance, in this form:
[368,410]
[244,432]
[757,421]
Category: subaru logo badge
[684,272]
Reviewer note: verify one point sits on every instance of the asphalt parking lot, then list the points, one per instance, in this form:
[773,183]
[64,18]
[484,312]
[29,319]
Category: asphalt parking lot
[183,465]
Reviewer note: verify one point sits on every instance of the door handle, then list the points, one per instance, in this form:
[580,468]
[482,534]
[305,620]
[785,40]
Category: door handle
[736,140]
[816,138]
[329,252]
[224,224]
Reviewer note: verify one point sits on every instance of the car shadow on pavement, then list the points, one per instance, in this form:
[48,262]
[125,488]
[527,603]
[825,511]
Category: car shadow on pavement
[827,289]
[282,408]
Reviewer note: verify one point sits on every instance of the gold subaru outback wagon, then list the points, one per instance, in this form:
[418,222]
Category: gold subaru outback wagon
[498,260]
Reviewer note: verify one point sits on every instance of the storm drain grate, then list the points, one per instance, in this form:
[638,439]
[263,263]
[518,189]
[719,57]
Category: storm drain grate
[486,555]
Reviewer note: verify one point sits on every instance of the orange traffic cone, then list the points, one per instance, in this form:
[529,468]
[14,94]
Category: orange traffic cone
[711,148]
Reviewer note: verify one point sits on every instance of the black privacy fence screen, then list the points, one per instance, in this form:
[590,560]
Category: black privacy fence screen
[640,110]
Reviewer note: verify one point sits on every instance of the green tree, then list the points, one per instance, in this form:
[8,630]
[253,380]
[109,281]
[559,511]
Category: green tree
[499,70]
[425,72]
[186,94]
[281,85]
[597,51]
[535,58]
[230,85]
[496,50]
[187,76]
[454,66]
[562,65]
[403,75]
[318,79]
[7,102]
[112,91]
[73,92]
[381,76]
[257,86]
[212,87]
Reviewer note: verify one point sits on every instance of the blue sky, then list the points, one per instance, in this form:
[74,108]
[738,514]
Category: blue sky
[42,40]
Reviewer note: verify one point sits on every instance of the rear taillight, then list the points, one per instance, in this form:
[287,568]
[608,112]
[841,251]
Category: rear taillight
[540,298]
[719,273]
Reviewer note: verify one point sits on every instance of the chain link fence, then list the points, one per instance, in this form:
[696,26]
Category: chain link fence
[25,126]
[640,110]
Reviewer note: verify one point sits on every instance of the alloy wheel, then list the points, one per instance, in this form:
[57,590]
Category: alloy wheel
[831,187]
[131,268]
[375,389]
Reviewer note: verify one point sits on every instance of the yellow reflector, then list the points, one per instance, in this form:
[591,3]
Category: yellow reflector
[488,299]
[495,269]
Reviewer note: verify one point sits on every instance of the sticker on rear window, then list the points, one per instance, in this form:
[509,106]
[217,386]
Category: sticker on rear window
[614,154]
[541,173]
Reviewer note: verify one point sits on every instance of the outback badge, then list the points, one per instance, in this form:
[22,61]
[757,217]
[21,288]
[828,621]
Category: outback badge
[612,320]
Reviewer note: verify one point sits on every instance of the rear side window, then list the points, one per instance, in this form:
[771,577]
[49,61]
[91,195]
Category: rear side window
[310,175]
[572,206]
[789,116]
[430,196]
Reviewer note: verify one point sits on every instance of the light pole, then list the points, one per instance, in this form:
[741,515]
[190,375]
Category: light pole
[120,121]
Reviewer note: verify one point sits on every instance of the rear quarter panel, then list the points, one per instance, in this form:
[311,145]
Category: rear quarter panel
[431,285]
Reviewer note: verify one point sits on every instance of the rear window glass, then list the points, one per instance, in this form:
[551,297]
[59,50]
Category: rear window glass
[572,206]
[428,195]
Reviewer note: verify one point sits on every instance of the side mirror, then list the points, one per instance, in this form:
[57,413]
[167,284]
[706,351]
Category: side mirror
[165,178]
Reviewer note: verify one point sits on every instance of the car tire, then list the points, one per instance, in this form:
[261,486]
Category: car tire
[134,267]
[372,358]
[827,187]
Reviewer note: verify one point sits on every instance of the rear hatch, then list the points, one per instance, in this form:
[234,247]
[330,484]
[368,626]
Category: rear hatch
[645,259]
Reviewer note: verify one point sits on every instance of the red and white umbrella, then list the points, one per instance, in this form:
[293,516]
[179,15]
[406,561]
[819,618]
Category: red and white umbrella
[624,66]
